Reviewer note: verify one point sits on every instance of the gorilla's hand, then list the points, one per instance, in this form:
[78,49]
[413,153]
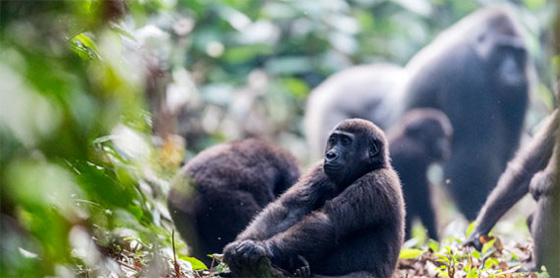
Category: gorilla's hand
[246,253]
[303,270]
[477,240]
[542,184]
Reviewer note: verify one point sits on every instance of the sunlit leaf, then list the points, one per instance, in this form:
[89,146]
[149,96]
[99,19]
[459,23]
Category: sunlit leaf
[84,45]
[476,254]
[410,253]
[487,246]
[470,229]
[196,264]
[491,262]
[433,245]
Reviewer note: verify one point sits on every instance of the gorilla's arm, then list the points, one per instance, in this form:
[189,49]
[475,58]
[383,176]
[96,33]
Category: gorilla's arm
[363,204]
[514,182]
[298,201]
[545,223]
[544,182]
[305,196]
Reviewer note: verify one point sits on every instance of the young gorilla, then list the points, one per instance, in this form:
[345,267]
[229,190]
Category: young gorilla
[533,170]
[218,192]
[422,139]
[345,217]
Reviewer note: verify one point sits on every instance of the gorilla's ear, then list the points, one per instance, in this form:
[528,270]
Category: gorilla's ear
[373,149]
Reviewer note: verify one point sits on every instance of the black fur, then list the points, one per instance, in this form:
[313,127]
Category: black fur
[422,138]
[220,190]
[334,221]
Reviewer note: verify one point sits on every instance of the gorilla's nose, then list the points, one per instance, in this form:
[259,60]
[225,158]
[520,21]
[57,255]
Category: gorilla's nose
[331,155]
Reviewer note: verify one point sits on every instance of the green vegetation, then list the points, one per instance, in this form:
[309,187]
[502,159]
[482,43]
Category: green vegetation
[94,93]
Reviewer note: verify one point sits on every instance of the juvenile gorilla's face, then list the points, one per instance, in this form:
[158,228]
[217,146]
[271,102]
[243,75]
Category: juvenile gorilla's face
[436,140]
[339,146]
[347,156]
[431,130]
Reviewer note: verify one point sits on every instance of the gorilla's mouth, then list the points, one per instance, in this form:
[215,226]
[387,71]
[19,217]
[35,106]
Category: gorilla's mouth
[331,167]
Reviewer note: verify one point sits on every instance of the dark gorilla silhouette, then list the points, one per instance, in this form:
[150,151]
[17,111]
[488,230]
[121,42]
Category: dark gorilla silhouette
[345,217]
[476,73]
[422,138]
[533,170]
[220,190]
[367,92]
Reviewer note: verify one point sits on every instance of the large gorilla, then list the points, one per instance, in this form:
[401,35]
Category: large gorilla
[220,190]
[345,217]
[476,73]
[366,92]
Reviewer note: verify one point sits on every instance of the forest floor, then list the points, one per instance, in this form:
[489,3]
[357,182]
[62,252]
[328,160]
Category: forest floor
[453,260]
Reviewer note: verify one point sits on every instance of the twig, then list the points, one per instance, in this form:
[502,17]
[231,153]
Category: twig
[175,264]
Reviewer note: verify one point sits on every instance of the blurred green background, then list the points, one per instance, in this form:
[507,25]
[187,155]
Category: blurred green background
[101,102]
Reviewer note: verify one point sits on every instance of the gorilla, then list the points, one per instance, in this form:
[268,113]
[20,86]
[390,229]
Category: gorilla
[423,138]
[344,217]
[533,170]
[219,191]
[366,92]
[476,72]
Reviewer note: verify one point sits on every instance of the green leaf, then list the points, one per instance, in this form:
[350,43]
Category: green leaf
[196,264]
[544,273]
[136,211]
[475,254]
[470,229]
[433,245]
[472,273]
[102,139]
[514,256]
[296,87]
[83,44]
[491,262]
[487,246]
[221,267]
[410,253]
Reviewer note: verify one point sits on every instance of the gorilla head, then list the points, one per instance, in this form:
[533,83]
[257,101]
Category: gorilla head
[431,129]
[349,156]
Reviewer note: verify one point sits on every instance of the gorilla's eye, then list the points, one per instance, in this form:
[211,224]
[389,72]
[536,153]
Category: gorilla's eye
[345,140]
[373,149]
[331,141]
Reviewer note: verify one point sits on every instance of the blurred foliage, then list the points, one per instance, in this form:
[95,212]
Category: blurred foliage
[95,92]
[76,141]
